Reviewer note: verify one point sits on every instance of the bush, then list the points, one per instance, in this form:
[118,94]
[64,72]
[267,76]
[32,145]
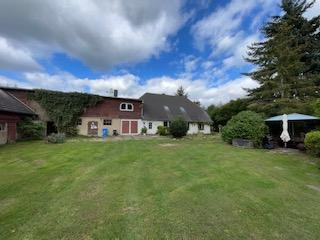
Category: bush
[312,142]
[29,130]
[245,125]
[163,131]
[178,128]
[71,131]
[56,138]
[144,130]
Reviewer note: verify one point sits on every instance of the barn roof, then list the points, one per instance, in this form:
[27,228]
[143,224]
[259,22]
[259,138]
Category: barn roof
[161,107]
[9,103]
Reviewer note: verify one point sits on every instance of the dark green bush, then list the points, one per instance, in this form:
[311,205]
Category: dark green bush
[245,125]
[144,130]
[30,130]
[71,131]
[178,128]
[312,142]
[163,131]
[56,138]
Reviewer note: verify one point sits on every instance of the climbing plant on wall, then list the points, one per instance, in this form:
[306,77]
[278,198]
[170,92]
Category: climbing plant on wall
[64,108]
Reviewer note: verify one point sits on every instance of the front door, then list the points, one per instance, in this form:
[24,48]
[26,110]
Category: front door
[125,127]
[93,128]
[134,127]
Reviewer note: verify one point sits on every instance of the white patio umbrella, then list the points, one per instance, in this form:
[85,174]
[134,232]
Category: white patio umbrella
[285,134]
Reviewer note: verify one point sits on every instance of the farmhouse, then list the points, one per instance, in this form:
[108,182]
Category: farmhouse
[12,111]
[117,115]
[161,109]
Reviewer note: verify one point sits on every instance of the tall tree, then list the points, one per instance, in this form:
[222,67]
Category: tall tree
[181,92]
[289,58]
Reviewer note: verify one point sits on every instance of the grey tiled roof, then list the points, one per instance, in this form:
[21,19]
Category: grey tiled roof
[161,107]
[9,103]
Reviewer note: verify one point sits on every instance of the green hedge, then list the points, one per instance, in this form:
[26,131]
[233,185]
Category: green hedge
[163,131]
[245,125]
[312,142]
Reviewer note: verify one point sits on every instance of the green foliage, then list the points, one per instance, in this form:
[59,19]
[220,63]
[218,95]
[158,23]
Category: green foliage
[56,138]
[181,92]
[282,106]
[144,130]
[245,125]
[288,60]
[30,130]
[316,107]
[64,108]
[178,128]
[163,131]
[312,142]
[222,114]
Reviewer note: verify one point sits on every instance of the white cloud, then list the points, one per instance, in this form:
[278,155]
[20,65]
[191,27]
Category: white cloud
[130,85]
[314,11]
[224,30]
[13,58]
[99,33]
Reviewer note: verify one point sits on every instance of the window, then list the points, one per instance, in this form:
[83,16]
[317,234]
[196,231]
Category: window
[200,126]
[107,122]
[126,107]
[150,125]
[79,122]
[2,126]
[166,124]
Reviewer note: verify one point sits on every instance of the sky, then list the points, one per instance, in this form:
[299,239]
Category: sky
[134,46]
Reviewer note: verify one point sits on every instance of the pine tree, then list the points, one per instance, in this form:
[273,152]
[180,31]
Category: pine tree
[181,92]
[289,59]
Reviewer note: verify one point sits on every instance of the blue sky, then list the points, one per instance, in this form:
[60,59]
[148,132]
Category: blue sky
[134,46]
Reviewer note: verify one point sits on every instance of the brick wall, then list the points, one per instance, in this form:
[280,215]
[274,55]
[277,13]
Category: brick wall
[110,108]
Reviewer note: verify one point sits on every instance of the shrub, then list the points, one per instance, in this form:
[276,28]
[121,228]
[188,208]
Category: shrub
[312,142]
[56,138]
[163,131]
[29,130]
[245,125]
[178,128]
[71,131]
[144,130]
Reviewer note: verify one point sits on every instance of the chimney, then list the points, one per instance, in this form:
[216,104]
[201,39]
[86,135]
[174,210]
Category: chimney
[115,93]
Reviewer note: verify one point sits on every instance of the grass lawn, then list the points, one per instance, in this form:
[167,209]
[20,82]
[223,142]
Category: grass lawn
[156,189]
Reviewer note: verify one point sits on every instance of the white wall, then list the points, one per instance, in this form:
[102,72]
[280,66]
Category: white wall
[155,125]
[193,127]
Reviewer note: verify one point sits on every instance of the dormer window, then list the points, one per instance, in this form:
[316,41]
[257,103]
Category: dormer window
[126,107]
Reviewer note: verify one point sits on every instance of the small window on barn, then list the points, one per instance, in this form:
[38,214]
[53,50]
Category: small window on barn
[79,122]
[200,126]
[126,107]
[2,126]
[107,122]
[150,125]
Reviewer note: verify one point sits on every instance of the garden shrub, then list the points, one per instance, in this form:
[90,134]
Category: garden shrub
[144,130]
[178,128]
[30,130]
[312,142]
[245,125]
[56,138]
[163,131]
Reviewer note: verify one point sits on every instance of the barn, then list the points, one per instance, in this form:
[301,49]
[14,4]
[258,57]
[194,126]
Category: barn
[12,111]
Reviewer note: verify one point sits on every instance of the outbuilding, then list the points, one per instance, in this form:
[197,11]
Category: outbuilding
[12,111]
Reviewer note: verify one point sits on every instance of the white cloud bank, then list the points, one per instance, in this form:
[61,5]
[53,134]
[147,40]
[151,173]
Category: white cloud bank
[99,33]
[131,86]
